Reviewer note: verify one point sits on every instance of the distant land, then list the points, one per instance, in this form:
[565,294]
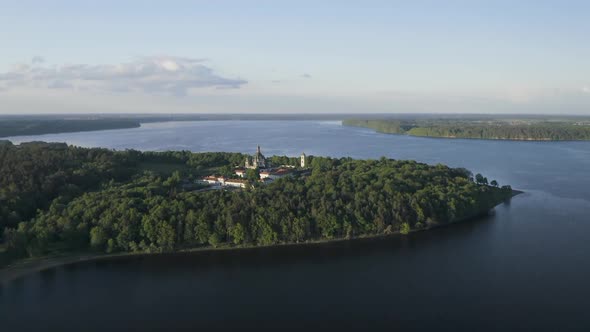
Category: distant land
[49,126]
[58,200]
[528,129]
[481,126]
[27,125]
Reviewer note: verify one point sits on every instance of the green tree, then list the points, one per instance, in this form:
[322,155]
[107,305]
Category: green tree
[404,228]
[98,237]
[214,239]
[238,233]
[226,171]
[165,236]
[202,230]
[172,182]
[479,178]
[253,175]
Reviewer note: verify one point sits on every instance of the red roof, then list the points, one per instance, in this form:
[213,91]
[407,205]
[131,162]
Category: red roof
[282,171]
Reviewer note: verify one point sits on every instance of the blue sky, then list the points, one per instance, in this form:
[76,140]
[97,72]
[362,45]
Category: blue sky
[295,56]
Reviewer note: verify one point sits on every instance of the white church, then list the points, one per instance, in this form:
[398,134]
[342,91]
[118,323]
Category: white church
[259,161]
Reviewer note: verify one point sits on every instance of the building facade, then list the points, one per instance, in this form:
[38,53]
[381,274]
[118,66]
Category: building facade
[238,183]
[303,161]
[257,160]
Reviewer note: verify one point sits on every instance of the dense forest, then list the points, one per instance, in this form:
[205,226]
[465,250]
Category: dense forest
[479,129]
[19,127]
[57,198]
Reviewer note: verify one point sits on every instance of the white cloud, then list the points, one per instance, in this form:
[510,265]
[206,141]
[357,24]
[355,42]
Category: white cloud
[152,75]
[306,76]
[586,89]
[169,65]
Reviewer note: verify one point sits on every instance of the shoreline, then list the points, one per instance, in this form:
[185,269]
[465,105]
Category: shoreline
[26,267]
[473,138]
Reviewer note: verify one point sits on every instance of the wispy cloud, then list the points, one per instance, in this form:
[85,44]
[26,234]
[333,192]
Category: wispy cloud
[153,75]
[586,89]
[306,76]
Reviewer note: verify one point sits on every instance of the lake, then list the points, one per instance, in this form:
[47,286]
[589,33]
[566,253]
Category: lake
[527,266]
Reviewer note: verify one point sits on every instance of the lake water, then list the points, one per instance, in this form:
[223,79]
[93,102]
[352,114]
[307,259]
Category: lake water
[525,267]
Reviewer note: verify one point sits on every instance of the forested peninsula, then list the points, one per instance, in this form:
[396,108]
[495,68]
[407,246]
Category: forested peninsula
[22,127]
[57,199]
[513,129]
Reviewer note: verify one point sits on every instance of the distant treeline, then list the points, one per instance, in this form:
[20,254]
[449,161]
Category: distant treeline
[56,198]
[493,129]
[22,127]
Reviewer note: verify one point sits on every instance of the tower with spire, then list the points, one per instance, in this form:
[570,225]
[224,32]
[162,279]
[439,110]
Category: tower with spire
[257,160]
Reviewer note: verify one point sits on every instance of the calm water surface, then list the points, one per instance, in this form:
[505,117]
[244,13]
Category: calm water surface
[527,267]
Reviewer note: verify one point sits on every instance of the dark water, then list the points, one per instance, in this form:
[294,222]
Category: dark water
[527,267]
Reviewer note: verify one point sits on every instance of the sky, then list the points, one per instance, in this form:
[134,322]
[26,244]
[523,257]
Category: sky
[224,56]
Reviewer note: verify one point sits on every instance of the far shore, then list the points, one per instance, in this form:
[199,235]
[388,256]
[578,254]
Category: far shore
[506,139]
[25,267]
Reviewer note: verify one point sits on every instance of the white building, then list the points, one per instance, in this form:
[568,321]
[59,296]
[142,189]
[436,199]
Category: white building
[277,173]
[240,172]
[210,180]
[257,160]
[238,183]
[303,160]
[213,181]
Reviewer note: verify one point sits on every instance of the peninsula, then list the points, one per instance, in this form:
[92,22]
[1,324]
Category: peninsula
[21,127]
[57,199]
[526,129]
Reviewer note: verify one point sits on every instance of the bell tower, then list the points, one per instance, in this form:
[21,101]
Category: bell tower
[303,162]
